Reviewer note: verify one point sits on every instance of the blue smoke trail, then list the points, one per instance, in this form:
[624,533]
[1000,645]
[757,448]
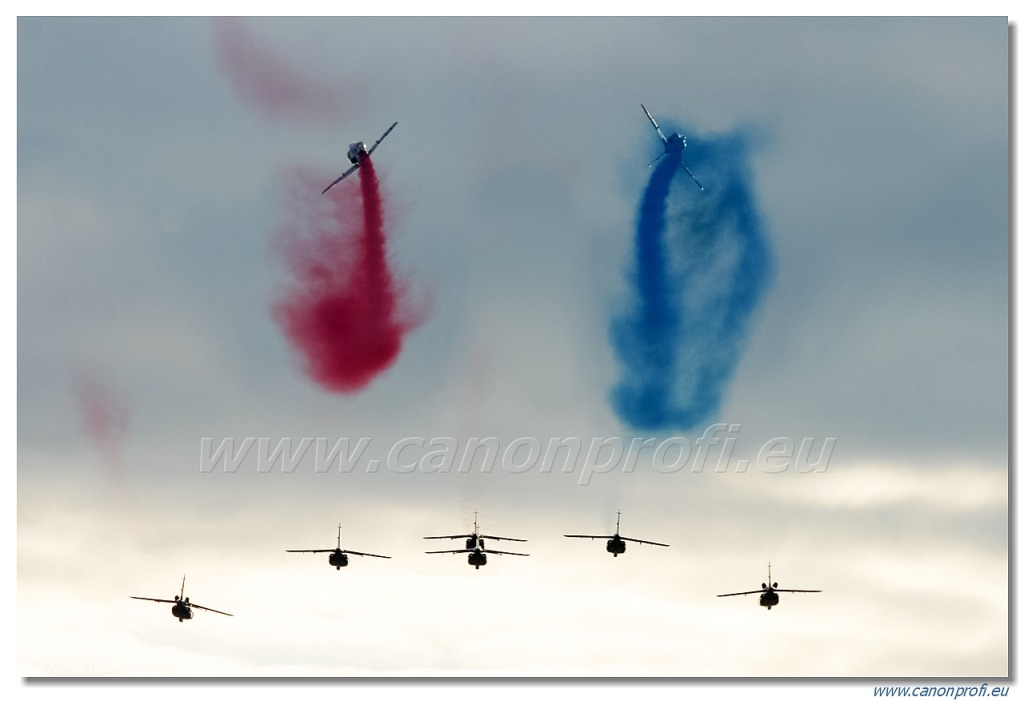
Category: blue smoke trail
[702,263]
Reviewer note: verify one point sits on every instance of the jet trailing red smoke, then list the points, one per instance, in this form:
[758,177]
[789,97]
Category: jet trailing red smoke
[342,310]
[266,81]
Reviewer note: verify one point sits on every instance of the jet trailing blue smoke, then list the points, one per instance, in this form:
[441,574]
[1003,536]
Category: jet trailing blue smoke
[701,265]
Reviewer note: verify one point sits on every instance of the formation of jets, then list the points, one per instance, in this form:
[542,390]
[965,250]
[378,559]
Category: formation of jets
[475,547]
[673,144]
[477,552]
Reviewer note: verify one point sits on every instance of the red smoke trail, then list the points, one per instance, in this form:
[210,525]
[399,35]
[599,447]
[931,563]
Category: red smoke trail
[266,81]
[103,415]
[342,311]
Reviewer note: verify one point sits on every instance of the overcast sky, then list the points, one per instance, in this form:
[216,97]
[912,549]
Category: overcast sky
[861,444]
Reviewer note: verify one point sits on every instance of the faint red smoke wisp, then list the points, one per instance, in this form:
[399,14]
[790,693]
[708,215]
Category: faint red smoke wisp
[267,82]
[343,310]
[103,415]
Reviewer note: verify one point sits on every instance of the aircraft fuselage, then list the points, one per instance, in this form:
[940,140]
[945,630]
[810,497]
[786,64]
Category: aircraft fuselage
[477,558]
[338,559]
[676,143]
[356,150]
[769,598]
[616,546]
[182,611]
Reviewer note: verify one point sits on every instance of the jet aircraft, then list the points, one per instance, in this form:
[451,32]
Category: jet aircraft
[769,591]
[676,143]
[338,557]
[475,545]
[357,151]
[182,608]
[617,543]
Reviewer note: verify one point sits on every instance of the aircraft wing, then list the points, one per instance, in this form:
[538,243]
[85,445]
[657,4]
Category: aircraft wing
[498,537]
[802,591]
[377,142]
[661,135]
[328,550]
[161,601]
[439,552]
[353,552]
[588,536]
[688,172]
[503,552]
[744,593]
[439,537]
[204,608]
[342,176]
[648,542]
